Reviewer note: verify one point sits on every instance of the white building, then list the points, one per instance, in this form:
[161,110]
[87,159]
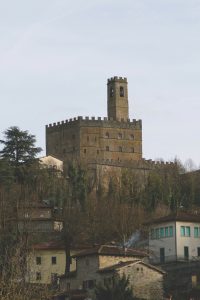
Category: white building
[174,238]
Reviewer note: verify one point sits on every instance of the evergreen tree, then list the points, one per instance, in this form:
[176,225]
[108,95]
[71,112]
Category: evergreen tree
[18,146]
[119,290]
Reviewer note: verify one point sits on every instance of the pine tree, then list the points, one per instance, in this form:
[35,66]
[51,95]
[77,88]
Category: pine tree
[18,146]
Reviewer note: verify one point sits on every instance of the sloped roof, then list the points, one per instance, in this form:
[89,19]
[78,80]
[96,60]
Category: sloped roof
[51,245]
[179,216]
[129,263]
[107,250]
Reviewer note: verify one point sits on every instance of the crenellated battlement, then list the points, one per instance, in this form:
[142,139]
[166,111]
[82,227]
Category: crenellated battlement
[98,121]
[133,164]
[117,79]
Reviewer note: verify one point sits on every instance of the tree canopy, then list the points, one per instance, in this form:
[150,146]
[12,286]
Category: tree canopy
[18,146]
[119,290]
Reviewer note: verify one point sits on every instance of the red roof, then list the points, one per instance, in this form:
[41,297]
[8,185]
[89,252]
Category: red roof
[107,250]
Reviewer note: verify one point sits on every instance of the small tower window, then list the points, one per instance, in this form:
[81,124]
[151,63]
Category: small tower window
[132,137]
[107,148]
[85,151]
[120,149]
[121,91]
[97,151]
[107,135]
[120,135]
[111,92]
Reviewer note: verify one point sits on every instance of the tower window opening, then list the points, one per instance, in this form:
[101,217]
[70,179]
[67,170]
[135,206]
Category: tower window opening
[132,137]
[97,151]
[120,135]
[120,149]
[121,91]
[88,138]
[85,151]
[111,92]
[107,148]
[107,135]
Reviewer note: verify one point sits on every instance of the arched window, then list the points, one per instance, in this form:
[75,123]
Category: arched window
[121,91]
[120,135]
[107,148]
[111,92]
[107,135]
[85,151]
[132,136]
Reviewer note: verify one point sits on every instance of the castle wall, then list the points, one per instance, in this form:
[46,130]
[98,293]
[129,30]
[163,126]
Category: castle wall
[95,139]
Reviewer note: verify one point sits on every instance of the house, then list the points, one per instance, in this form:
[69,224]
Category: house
[38,218]
[100,264]
[51,163]
[46,261]
[175,237]
[174,243]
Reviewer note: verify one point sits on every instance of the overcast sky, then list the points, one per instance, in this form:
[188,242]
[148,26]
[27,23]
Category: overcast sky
[56,56]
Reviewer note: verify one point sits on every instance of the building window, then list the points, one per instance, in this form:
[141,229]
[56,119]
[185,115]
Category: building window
[111,92]
[121,91]
[53,260]
[163,232]
[198,251]
[120,135]
[107,148]
[97,151]
[85,151]
[107,135]
[196,232]
[38,276]
[38,260]
[185,230]
[132,150]
[88,138]
[89,284]
[132,137]
[120,149]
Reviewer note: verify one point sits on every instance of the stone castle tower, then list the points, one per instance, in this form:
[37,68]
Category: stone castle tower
[96,140]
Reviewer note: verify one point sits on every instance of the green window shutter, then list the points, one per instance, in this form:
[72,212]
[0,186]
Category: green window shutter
[162,232]
[182,230]
[187,231]
[166,231]
[170,231]
[196,232]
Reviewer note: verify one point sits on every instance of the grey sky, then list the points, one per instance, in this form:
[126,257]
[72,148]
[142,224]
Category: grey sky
[56,55]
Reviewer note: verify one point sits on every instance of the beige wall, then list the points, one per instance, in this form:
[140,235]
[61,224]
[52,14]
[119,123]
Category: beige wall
[46,268]
[106,261]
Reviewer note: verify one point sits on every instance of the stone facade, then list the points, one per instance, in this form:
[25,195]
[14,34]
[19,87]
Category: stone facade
[88,139]
[101,267]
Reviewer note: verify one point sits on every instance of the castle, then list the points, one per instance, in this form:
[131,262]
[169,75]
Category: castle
[104,145]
